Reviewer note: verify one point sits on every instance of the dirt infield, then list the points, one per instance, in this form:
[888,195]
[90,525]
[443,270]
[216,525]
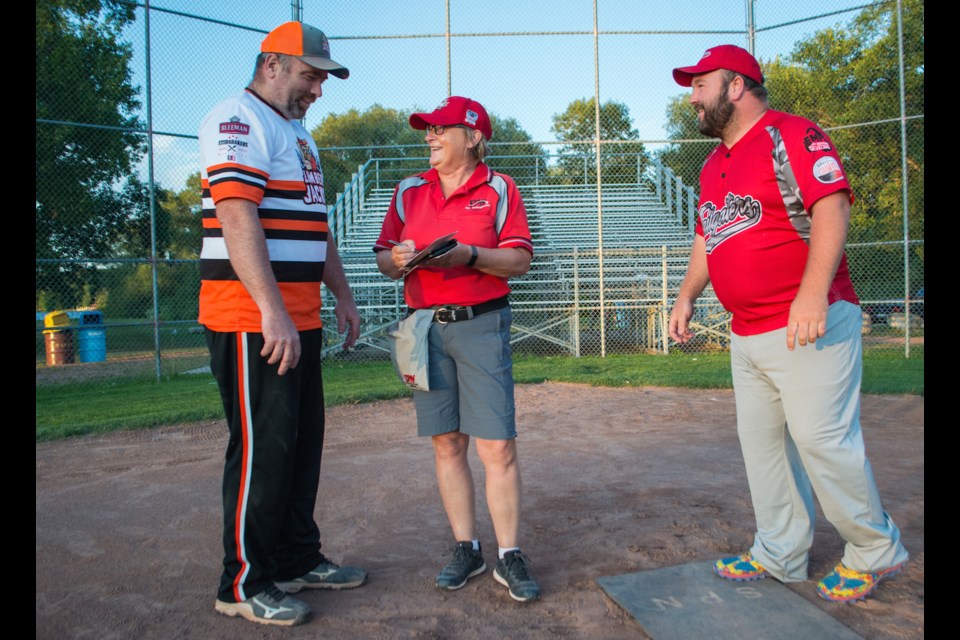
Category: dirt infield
[615,481]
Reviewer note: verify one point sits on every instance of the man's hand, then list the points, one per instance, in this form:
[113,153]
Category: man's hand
[348,321]
[807,321]
[679,320]
[281,341]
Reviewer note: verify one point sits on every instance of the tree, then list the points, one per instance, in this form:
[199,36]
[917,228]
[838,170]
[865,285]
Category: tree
[184,235]
[847,80]
[513,152]
[347,141]
[621,160]
[685,159]
[177,231]
[86,153]
[857,73]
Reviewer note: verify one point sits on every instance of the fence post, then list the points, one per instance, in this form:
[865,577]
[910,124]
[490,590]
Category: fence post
[663,300]
[576,303]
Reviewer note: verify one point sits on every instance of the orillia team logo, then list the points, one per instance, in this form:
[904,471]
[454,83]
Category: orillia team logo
[737,214]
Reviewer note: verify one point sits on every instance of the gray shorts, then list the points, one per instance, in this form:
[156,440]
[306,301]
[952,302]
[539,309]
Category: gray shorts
[471,379]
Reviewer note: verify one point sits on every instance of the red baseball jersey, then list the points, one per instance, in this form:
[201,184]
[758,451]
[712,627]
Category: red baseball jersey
[487,211]
[754,216]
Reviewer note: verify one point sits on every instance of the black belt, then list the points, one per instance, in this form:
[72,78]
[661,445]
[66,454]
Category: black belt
[455,313]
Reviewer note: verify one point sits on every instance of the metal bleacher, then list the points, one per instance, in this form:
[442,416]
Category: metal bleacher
[645,240]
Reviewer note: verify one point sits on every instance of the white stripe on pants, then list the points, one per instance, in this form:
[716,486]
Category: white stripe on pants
[798,419]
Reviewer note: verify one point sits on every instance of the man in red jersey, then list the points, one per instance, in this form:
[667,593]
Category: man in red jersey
[266,252]
[770,233]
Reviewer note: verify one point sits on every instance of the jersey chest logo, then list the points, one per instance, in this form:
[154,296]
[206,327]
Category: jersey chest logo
[312,175]
[737,214]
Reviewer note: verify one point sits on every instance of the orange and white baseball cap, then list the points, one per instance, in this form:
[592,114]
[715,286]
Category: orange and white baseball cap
[306,43]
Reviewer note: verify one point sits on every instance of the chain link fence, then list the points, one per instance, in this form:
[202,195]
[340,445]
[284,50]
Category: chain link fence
[609,182]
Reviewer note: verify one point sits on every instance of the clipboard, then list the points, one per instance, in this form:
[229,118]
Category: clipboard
[435,249]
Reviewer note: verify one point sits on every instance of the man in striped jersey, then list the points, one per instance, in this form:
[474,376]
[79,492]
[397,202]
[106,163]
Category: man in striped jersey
[266,251]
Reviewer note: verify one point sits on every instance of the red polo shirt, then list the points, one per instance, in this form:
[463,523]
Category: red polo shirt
[487,211]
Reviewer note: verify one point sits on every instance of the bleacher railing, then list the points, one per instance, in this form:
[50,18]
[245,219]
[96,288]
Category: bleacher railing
[679,199]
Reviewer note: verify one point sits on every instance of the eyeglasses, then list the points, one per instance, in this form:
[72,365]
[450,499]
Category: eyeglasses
[438,129]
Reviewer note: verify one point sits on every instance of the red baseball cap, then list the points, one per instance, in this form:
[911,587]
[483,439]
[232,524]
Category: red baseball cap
[456,110]
[306,43]
[724,56]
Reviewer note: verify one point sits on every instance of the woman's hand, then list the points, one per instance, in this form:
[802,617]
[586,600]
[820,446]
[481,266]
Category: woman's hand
[403,253]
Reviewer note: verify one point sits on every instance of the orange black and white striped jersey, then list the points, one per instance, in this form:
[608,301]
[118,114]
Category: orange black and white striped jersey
[249,150]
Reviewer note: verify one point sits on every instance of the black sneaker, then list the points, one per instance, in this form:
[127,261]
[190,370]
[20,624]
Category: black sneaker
[326,575]
[465,564]
[513,572]
[271,606]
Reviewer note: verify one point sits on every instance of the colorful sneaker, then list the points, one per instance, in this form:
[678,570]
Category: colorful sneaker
[326,575]
[846,585]
[465,564]
[741,568]
[513,572]
[267,607]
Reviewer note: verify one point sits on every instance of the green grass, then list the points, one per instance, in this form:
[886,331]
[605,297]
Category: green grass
[73,409]
[700,371]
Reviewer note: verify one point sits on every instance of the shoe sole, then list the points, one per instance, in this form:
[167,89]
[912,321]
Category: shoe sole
[297,587]
[883,575]
[760,576]
[473,573]
[233,609]
[503,581]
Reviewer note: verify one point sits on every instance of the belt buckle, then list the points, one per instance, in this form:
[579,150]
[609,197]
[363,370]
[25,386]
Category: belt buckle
[452,313]
[440,316]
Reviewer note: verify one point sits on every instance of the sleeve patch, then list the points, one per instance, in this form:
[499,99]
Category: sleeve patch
[827,170]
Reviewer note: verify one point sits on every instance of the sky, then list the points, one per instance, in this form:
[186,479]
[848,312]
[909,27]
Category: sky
[397,56]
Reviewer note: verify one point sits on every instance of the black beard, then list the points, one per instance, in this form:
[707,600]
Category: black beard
[716,117]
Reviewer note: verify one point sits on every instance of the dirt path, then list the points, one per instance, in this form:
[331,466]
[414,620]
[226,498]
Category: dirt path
[615,481]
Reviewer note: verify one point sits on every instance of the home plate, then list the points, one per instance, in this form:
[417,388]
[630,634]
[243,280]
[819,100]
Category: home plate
[690,601]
